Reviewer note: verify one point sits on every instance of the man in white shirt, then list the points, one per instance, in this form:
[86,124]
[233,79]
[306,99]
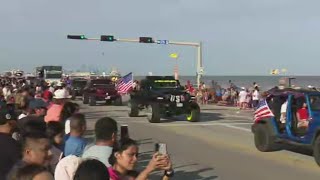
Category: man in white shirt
[255,97]
[242,98]
[283,116]
[106,135]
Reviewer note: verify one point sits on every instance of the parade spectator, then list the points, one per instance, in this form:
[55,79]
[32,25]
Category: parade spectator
[242,98]
[38,109]
[249,99]
[205,97]
[92,169]
[6,91]
[60,97]
[23,106]
[125,158]
[67,167]
[31,172]
[10,150]
[69,108]
[75,143]
[283,111]
[303,116]
[106,136]
[32,126]
[55,133]
[255,97]
[35,150]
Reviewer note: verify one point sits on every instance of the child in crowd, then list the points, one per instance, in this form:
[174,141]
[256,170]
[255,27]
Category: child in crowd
[75,143]
[55,132]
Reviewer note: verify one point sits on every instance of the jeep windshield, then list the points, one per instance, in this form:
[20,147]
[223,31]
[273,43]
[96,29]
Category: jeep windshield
[165,84]
[102,83]
[79,83]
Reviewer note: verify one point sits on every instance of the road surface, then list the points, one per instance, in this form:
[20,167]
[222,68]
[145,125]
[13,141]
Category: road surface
[220,147]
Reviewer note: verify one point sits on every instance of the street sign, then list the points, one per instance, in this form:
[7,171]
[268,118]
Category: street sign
[162,41]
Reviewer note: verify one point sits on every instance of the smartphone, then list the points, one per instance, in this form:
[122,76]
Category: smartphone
[161,148]
[124,132]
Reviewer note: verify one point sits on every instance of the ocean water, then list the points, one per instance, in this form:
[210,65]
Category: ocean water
[265,82]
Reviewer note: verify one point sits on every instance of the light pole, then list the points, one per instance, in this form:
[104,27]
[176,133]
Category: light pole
[110,38]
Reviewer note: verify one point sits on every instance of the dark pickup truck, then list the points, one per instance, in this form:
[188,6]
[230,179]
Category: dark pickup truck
[101,90]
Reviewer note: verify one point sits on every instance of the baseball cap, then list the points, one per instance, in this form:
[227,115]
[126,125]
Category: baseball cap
[6,115]
[37,104]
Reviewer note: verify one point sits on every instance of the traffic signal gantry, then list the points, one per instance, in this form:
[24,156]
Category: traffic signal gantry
[110,38]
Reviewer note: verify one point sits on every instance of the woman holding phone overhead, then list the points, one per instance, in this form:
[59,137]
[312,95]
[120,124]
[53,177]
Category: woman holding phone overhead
[125,158]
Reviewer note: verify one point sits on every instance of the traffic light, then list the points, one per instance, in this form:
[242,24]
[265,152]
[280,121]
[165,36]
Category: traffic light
[76,37]
[106,38]
[146,40]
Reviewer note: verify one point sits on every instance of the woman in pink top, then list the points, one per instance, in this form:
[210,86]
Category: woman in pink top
[53,113]
[124,160]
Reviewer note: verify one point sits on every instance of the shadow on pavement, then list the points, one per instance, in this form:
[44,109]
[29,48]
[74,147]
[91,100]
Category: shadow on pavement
[204,117]
[297,149]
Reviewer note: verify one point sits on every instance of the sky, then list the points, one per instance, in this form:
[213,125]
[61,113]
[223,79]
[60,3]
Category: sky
[239,37]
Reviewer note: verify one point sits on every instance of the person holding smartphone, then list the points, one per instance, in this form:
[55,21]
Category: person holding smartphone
[125,158]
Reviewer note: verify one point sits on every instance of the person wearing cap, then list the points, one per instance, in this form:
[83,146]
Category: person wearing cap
[9,154]
[38,109]
[242,98]
[60,97]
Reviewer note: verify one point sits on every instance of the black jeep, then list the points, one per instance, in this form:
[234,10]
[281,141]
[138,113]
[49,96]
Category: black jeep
[163,96]
[101,90]
[77,86]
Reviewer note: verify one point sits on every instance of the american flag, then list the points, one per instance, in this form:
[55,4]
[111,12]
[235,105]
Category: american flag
[263,111]
[125,83]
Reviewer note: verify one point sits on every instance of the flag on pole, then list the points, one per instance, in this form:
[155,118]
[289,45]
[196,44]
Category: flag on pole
[174,55]
[125,83]
[274,72]
[263,111]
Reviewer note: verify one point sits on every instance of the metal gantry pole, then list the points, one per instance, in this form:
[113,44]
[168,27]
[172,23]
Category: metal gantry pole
[198,45]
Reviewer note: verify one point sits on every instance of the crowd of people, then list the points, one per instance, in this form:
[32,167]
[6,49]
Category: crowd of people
[42,133]
[244,98]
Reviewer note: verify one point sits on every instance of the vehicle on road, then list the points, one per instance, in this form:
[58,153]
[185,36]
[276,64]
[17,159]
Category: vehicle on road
[163,96]
[77,86]
[50,74]
[285,126]
[101,90]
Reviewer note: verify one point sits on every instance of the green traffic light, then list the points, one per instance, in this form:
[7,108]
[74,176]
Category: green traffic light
[82,37]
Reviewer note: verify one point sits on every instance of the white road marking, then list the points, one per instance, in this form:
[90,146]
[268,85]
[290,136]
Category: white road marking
[236,127]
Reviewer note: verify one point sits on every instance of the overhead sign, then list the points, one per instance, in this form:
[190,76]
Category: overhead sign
[162,41]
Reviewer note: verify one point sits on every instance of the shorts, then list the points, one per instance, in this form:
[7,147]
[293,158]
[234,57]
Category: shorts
[303,123]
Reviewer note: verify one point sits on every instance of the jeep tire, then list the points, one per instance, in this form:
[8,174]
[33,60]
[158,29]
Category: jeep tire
[194,114]
[316,150]
[134,109]
[85,99]
[263,139]
[155,115]
[92,101]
